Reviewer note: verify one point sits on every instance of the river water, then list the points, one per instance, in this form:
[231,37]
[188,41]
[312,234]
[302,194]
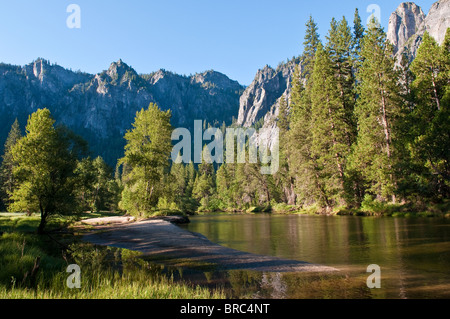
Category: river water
[413,254]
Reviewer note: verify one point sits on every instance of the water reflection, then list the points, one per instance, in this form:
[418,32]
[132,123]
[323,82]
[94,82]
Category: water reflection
[243,284]
[413,253]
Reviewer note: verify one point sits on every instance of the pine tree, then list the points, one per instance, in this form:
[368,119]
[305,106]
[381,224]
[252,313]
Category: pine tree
[7,180]
[223,185]
[330,146]
[310,44]
[377,112]
[302,167]
[339,46]
[181,184]
[429,118]
[86,177]
[406,78]
[191,174]
[96,187]
[178,185]
[205,182]
[358,35]
[430,79]
[283,116]
[445,58]
[283,178]
[105,188]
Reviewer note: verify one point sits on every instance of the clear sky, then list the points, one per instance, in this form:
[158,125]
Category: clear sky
[235,37]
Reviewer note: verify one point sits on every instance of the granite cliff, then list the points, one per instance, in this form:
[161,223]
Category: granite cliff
[408,24]
[406,28]
[102,107]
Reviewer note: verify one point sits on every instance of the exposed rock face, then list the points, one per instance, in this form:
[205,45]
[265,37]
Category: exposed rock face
[210,96]
[261,98]
[406,31]
[404,23]
[437,20]
[102,107]
[406,28]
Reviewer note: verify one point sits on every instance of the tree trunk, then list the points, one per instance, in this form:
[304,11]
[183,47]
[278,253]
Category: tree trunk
[386,125]
[290,194]
[388,142]
[337,156]
[436,97]
[43,222]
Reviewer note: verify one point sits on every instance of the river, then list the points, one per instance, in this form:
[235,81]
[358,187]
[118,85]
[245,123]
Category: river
[413,253]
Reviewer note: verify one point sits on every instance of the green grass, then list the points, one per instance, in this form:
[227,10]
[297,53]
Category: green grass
[106,272]
[117,289]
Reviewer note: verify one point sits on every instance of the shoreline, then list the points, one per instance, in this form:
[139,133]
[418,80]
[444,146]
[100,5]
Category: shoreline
[161,238]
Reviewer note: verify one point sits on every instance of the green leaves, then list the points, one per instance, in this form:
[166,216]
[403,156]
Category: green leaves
[147,155]
[377,111]
[95,187]
[310,43]
[429,118]
[7,179]
[44,169]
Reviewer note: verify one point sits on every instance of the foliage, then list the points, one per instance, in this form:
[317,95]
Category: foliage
[146,160]
[377,112]
[106,272]
[96,187]
[7,180]
[359,131]
[429,139]
[45,160]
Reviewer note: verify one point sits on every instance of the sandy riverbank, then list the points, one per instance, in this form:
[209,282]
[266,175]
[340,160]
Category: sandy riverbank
[159,237]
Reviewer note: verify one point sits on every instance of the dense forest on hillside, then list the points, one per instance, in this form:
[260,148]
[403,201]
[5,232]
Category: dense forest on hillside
[362,131]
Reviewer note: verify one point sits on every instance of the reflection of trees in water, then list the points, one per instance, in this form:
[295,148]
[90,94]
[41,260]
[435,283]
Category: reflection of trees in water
[245,283]
[254,284]
[272,282]
[258,285]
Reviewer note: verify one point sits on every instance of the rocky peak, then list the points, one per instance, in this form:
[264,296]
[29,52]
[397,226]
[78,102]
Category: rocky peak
[162,76]
[119,70]
[437,20]
[38,68]
[404,23]
[406,31]
[265,74]
[158,75]
[216,79]
[52,76]
[262,96]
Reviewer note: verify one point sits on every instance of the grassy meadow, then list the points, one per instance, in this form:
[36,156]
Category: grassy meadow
[34,266]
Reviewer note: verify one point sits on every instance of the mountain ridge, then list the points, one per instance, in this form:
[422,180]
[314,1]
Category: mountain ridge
[102,106]
[406,28]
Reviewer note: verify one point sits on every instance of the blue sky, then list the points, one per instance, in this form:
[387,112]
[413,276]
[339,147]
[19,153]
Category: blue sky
[235,37]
